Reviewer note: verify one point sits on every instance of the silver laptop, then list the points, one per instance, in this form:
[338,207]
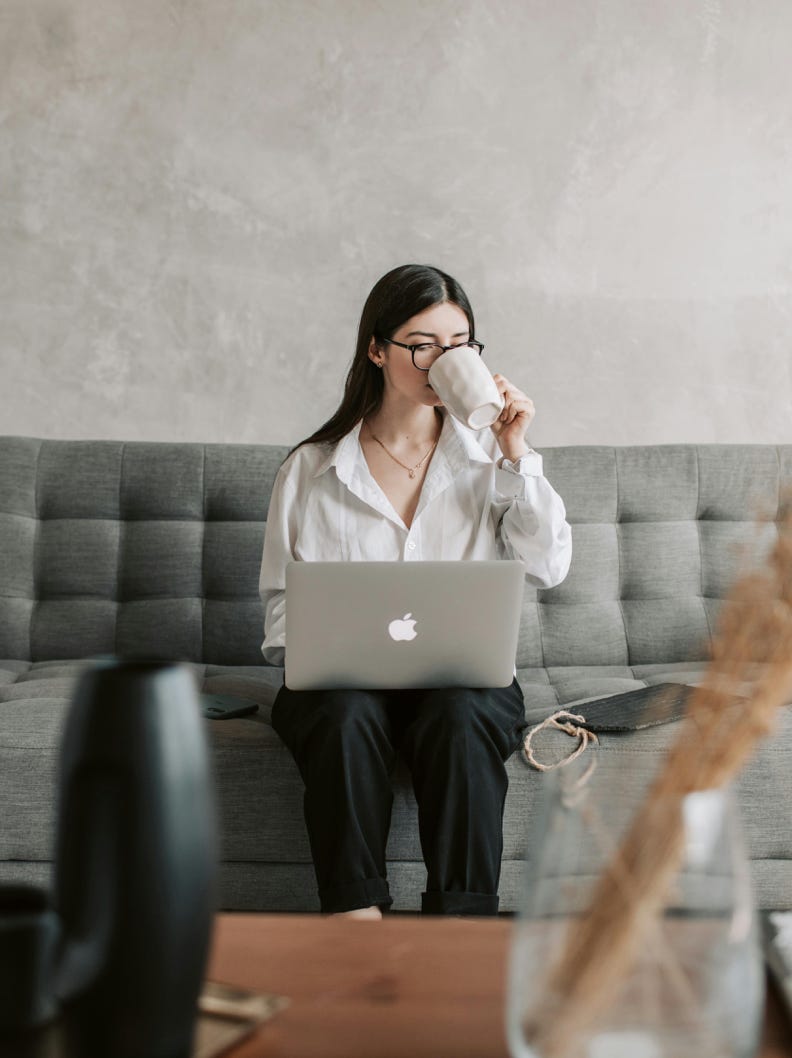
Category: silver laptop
[402,624]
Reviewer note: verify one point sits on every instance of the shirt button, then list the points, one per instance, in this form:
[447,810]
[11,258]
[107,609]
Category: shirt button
[411,545]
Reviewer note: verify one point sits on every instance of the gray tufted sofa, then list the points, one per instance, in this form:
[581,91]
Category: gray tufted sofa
[109,547]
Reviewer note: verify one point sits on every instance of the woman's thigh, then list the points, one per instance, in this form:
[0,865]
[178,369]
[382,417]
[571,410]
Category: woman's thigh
[499,712]
[299,715]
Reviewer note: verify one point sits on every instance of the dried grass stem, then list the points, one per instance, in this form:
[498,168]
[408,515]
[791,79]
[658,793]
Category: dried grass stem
[752,647]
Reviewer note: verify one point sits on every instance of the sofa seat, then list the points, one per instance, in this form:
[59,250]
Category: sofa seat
[265,854]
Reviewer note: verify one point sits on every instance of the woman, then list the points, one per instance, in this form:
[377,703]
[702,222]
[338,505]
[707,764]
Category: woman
[391,475]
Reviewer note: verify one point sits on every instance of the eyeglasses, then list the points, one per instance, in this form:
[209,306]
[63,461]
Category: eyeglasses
[423,356]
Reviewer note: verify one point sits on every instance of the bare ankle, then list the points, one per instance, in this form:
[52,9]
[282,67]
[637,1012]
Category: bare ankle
[372,912]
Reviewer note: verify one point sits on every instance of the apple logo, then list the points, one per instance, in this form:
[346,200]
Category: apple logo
[403,628]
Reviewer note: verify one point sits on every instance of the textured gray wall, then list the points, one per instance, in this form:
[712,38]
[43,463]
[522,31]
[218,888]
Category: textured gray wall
[196,197]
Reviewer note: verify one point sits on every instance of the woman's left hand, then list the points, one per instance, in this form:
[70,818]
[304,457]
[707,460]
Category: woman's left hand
[512,424]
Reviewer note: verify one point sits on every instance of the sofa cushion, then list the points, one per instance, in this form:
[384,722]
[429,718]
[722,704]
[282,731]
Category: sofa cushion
[260,792]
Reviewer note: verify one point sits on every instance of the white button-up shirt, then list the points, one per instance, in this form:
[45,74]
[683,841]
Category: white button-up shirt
[327,506]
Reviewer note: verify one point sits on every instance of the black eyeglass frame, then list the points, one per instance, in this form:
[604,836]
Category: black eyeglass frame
[420,345]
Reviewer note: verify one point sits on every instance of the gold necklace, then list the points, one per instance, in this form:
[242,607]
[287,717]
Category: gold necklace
[410,470]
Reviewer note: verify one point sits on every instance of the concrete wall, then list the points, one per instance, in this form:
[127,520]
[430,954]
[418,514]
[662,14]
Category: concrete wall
[196,197]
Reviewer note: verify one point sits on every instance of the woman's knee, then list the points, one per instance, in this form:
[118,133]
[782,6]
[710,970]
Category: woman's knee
[339,718]
[452,709]
[300,715]
[469,716]
[342,709]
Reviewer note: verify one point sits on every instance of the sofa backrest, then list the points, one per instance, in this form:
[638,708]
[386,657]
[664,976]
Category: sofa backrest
[140,548]
[660,533]
[155,548]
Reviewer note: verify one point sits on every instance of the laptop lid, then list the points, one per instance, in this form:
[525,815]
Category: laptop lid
[402,624]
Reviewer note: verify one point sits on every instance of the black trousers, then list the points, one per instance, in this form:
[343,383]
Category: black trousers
[455,742]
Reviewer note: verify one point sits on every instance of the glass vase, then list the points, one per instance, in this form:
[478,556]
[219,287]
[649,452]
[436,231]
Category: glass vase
[693,983]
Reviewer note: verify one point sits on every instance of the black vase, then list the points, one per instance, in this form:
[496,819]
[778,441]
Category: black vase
[136,862]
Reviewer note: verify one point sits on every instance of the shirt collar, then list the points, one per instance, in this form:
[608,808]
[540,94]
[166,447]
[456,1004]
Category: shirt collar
[458,444]
[462,445]
[343,455]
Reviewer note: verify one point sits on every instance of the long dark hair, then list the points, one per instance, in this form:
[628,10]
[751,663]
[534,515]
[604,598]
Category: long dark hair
[397,297]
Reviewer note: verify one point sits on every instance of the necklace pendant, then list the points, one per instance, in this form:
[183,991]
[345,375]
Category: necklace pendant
[411,473]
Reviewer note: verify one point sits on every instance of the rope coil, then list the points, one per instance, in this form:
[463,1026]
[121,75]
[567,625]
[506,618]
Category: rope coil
[569,723]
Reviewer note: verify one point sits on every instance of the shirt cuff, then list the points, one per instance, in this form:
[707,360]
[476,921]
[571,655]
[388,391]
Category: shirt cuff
[510,476]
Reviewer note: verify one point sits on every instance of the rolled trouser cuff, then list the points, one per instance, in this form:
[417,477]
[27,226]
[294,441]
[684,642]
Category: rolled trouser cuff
[353,895]
[437,903]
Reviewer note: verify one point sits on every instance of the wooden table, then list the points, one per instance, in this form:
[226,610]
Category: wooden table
[405,987]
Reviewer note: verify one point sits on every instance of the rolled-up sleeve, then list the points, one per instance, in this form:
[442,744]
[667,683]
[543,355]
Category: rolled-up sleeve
[279,541]
[532,523]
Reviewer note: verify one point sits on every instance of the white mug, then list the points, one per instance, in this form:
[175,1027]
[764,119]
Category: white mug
[462,381]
